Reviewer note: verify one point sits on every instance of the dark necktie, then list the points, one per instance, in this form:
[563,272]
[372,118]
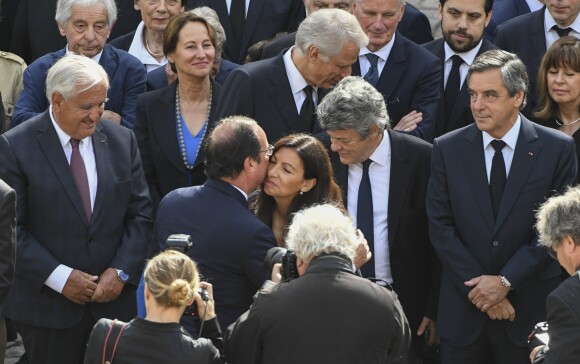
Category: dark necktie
[237,21]
[307,109]
[562,32]
[77,166]
[364,217]
[372,75]
[453,85]
[497,176]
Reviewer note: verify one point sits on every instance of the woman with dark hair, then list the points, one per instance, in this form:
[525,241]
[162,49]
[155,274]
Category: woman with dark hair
[559,88]
[172,123]
[299,175]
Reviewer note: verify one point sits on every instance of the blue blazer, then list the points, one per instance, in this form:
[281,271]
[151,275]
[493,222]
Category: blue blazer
[264,19]
[126,81]
[504,10]
[470,243]
[53,229]
[410,81]
[229,242]
[261,90]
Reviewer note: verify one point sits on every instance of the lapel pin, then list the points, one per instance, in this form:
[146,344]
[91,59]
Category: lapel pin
[530,153]
[103,140]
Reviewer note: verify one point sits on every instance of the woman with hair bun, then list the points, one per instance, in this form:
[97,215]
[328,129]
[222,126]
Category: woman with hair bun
[171,284]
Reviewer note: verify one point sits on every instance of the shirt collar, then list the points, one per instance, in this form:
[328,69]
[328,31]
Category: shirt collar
[297,82]
[510,138]
[549,22]
[468,57]
[383,53]
[138,50]
[382,154]
[96,58]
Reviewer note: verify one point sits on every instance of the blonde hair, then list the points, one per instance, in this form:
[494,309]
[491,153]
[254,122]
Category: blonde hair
[172,278]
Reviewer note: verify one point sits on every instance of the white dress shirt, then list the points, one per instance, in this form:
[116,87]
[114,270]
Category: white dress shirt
[467,57]
[297,82]
[552,35]
[382,53]
[59,276]
[138,50]
[229,6]
[380,176]
[510,139]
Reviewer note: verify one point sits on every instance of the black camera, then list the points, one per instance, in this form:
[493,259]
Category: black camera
[287,257]
[179,242]
[192,309]
[539,336]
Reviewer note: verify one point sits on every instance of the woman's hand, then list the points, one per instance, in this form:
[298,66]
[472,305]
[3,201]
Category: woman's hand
[205,309]
[363,253]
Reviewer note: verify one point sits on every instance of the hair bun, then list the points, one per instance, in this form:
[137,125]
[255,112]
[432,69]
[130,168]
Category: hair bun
[179,292]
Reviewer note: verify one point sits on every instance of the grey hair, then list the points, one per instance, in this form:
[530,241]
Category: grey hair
[559,217]
[512,70]
[401,2]
[212,18]
[328,30]
[322,229]
[74,74]
[64,9]
[353,104]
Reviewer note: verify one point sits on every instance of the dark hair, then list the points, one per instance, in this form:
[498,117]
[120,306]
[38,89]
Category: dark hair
[565,52]
[174,27]
[316,165]
[487,6]
[229,144]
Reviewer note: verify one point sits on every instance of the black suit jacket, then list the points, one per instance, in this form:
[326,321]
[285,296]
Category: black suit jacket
[230,243]
[264,19]
[261,90]
[414,265]
[53,228]
[524,35]
[410,81]
[461,114]
[7,239]
[504,10]
[470,243]
[124,41]
[156,134]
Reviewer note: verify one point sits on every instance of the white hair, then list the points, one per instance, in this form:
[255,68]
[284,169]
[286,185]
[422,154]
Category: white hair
[212,18]
[64,9]
[322,229]
[74,74]
[559,217]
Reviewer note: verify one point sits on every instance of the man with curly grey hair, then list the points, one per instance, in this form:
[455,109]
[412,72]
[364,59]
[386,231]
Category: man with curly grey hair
[328,314]
[390,210]
[559,229]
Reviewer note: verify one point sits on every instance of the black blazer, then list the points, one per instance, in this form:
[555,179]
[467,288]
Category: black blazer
[410,81]
[53,228]
[261,90]
[415,268]
[524,35]
[7,239]
[265,19]
[470,243]
[124,41]
[461,114]
[504,10]
[156,134]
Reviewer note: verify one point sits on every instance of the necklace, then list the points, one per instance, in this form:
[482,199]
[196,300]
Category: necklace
[180,127]
[156,55]
[561,123]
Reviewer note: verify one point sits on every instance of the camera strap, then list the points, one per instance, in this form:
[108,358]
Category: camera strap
[109,347]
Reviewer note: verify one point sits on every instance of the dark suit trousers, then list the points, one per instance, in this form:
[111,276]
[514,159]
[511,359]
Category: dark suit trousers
[55,346]
[493,346]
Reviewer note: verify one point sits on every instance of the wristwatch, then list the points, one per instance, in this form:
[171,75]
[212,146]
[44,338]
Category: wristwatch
[122,276]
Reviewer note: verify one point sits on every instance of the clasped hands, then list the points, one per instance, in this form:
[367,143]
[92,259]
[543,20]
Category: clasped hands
[82,287]
[489,295]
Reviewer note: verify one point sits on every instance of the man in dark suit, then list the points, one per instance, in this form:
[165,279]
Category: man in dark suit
[230,243]
[504,10]
[560,233]
[355,118]
[487,180]
[281,93]
[406,74]
[7,252]
[126,73]
[531,34]
[247,22]
[84,215]
[462,25]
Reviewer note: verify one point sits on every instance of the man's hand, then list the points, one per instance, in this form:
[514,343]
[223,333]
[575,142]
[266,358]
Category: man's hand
[433,339]
[112,116]
[409,122]
[487,291]
[276,273]
[80,287]
[109,287]
[502,311]
[363,253]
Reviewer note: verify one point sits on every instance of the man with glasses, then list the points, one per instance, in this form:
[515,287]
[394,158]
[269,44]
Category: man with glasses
[229,242]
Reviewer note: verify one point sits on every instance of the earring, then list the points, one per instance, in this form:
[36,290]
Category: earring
[301,193]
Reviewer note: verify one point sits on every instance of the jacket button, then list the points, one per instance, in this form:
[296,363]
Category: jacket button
[495,243]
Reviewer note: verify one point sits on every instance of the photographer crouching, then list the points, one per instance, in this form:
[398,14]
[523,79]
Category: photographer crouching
[559,230]
[328,314]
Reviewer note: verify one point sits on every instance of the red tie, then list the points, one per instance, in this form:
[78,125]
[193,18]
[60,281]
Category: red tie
[77,166]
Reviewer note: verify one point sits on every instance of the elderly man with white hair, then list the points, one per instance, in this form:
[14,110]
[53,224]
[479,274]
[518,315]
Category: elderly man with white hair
[328,314]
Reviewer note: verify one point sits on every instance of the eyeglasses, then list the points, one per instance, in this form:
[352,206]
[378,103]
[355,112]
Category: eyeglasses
[269,151]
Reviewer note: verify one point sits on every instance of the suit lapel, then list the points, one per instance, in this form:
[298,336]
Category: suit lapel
[281,95]
[523,162]
[101,150]
[473,160]
[50,144]
[398,184]
[221,9]
[394,69]
[252,19]
[538,38]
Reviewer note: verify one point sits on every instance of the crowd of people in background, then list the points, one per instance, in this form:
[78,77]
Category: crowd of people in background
[417,188]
